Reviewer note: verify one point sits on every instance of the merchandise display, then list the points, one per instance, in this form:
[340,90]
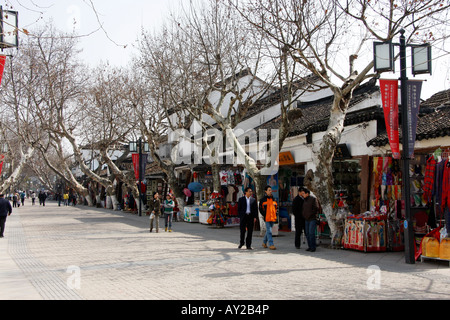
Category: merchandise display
[366,232]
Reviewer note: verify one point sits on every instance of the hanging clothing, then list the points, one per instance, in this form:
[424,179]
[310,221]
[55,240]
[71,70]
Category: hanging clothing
[438,178]
[446,185]
[429,179]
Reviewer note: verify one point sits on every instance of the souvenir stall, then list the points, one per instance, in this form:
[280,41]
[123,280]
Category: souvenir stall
[347,190]
[432,197]
[192,212]
[290,179]
[381,227]
[428,204]
[231,188]
[366,232]
[197,187]
[217,211]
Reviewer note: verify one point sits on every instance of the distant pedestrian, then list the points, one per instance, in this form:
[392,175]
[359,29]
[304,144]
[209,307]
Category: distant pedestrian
[42,197]
[297,211]
[268,208]
[248,212]
[310,213]
[5,211]
[168,205]
[14,199]
[22,198]
[33,197]
[155,210]
[66,198]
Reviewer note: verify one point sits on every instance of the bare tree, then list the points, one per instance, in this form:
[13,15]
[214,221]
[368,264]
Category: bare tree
[107,121]
[16,124]
[50,81]
[326,37]
[212,68]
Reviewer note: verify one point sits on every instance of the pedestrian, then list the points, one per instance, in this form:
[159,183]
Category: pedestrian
[155,207]
[268,208]
[248,212]
[42,198]
[58,198]
[66,198]
[33,197]
[5,210]
[297,211]
[14,200]
[168,205]
[310,213]
[22,197]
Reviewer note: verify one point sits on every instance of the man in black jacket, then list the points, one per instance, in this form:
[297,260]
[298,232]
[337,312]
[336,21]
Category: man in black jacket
[5,210]
[310,213]
[297,211]
[248,211]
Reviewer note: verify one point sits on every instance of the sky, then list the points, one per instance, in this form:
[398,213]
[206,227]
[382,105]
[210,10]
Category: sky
[109,33]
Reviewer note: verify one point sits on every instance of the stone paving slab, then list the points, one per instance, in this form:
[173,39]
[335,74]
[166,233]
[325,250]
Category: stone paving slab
[83,253]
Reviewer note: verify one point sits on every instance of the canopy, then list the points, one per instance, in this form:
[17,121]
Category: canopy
[195,187]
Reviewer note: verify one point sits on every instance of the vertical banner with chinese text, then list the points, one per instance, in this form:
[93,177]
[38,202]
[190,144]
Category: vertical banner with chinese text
[135,157]
[143,160]
[413,88]
[389,97]
[2,66]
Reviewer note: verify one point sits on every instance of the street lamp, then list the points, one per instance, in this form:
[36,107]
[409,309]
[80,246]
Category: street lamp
[421,63]
[421,58]
[9,35]
[139,146]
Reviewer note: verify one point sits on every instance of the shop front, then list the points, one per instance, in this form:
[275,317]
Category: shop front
[381,227]
[215,207]
[290,178]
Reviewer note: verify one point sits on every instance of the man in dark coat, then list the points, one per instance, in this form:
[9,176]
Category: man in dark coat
[5,210]
[248,212]
[297,211]
[310,213]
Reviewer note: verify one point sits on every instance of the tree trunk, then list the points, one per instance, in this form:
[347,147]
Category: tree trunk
[321,181]
[24,157]
[174,186]
[215,169]
[260,183]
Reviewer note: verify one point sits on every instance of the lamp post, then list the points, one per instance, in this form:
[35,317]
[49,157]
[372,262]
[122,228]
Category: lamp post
[421,63]
[137,146]
[9,35]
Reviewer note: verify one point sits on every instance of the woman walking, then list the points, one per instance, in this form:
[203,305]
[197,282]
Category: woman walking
[155,210]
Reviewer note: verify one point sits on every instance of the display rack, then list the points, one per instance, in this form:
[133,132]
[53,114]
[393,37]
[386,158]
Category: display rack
[422,258]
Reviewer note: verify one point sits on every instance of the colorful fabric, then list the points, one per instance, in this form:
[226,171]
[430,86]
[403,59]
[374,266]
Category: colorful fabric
[446,185]
[429,179]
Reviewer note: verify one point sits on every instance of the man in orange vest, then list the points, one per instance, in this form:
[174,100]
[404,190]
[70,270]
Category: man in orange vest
[268,208]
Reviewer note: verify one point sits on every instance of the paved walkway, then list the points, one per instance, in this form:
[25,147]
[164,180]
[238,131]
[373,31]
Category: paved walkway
[71,253]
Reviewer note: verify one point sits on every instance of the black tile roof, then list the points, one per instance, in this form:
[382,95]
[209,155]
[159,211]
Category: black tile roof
[316,114]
